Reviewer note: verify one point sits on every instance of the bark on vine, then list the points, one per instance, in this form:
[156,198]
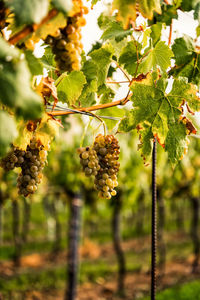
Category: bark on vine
[195,235]
[116,234]
[73,246]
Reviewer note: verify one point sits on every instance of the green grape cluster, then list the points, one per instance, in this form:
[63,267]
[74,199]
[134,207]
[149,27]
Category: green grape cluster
[104,155]
[89,161]
[66,42]
[31,162]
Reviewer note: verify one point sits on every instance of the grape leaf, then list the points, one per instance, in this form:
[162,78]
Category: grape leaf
[186,59]
[90,70]
[15,90]
[157,114]
[70,87]
[183,48]
[114,30]
[158,56]
[155,34]
[127,9]
[24,136]
[148,7]
[87,97]
[168,13]
[197,12]
[47,130]
[8,53]
[63,5]
[34,63]
[111,112]
[29,11]
[8,132]
[128,56]
[102,59]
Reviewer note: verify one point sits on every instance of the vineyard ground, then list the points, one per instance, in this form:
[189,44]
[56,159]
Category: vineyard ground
[42,276]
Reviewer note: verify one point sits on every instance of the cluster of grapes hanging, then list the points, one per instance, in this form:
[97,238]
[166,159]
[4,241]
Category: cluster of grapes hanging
[101,160]
[66,42]
[31,162]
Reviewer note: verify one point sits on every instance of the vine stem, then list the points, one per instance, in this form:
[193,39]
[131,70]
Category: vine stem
[154,223]
[31,28]
[92,108]
[170,33]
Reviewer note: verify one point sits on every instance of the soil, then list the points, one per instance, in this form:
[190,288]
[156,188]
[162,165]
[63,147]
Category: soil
[137,284]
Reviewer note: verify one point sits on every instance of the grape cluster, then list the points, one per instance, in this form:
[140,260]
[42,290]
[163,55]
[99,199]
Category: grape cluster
[14,159]
[66,42]
[101,160]
[31,161]
[89,161]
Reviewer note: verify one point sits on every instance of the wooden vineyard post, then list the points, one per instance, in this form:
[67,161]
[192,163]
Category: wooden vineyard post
[73,245]
[154,223]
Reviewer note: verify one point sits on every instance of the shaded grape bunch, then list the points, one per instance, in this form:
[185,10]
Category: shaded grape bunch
[66,42]
[89,161]
[101,160]
[31,162]
[107,149]
[14,159]
[31,174]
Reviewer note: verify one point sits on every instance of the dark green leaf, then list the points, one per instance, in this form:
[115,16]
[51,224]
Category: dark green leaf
[63,5]
[29,11]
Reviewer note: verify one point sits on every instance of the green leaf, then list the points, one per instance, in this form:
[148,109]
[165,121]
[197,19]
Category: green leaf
[111,112]
[29,11]
[169,12]
[183,48]
[34,63]
[156,30]
[114,30]
[90,70]
[158,56]
[70,87]
[126,10]
[186,59]
[105,93]
[8,132]
[8,53]
[197,12]
[15,90]
[157,114]
[148,7]
[87,97]
[198,31]
[63,5]
[128,57]
[102,58]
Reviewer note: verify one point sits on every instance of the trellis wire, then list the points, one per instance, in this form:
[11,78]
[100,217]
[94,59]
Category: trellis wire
[49,107]
[154,223]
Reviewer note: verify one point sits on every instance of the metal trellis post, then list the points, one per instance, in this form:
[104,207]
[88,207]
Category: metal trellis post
[154,223]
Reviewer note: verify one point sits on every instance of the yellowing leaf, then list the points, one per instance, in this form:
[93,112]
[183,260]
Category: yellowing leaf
[47,130]
[127,9]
